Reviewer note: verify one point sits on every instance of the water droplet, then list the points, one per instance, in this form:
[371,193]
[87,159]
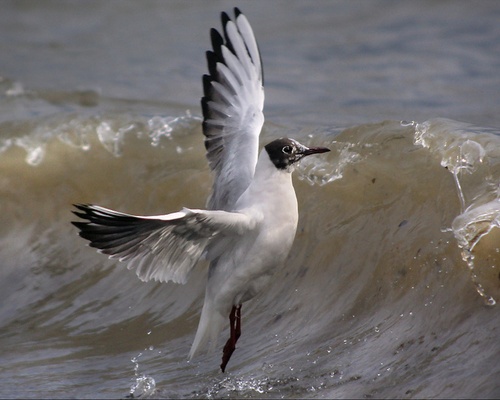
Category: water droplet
[35,155]
[143,386]
[490,301]
[408,123]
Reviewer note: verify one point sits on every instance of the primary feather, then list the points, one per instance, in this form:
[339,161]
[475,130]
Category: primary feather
[232,109]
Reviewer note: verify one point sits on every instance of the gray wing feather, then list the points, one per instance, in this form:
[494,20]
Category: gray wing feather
[162,248]
[232,109]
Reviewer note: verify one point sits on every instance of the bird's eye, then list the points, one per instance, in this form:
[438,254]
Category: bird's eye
[287,149]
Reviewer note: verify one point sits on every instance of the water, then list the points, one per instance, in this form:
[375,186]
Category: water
[391,287]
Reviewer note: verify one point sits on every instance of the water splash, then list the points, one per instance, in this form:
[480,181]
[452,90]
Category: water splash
[469,228]
[163,127]
[461,154]
[109,138]
[160,127]
[476,222]
[321,170]
[144,385]
[450,140]
[231,386]
[75,133]
[468,257]
[111,132]
[463,158]
[35,149]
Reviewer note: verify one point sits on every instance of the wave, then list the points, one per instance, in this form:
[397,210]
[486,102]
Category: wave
[396,251]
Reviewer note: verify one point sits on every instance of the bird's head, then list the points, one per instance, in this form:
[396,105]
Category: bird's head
[285,152]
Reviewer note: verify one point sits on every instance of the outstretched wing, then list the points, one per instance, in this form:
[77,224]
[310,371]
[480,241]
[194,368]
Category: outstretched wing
[162,248]
[232,109]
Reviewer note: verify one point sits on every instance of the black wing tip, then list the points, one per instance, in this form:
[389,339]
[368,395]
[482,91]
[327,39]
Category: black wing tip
[85,207]
[212,60]
[207,84]
[85,212]
[224,18]
[204,107]
[216,40]
[79,224]
[83,230]
[82,210]
[80,214]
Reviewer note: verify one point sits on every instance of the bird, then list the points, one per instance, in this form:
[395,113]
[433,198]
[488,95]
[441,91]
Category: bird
[251,219]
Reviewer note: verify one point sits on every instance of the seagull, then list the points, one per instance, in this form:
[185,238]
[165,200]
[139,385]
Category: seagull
[249,225]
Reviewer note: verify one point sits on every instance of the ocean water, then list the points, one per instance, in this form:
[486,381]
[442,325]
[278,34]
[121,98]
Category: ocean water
[391,288]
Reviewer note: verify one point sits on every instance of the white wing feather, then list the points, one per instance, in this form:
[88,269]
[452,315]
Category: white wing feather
[161,248]
[232,110]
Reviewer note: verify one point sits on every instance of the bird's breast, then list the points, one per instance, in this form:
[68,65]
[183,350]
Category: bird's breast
[246,267]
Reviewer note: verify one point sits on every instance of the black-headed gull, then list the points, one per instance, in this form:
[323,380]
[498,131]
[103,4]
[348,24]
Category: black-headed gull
[250,225]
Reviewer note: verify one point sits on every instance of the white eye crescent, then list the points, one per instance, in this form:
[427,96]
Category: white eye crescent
[287,149]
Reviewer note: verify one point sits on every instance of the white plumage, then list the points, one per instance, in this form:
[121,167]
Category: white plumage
[252,218]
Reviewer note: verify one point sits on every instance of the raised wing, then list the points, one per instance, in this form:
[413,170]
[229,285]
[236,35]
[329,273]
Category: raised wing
[161,248]
[232,109]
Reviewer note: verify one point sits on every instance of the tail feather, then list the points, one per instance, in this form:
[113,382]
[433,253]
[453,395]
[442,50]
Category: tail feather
[209,327]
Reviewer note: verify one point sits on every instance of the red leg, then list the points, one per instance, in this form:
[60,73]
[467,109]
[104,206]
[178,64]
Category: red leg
[235,333]
[237,328]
